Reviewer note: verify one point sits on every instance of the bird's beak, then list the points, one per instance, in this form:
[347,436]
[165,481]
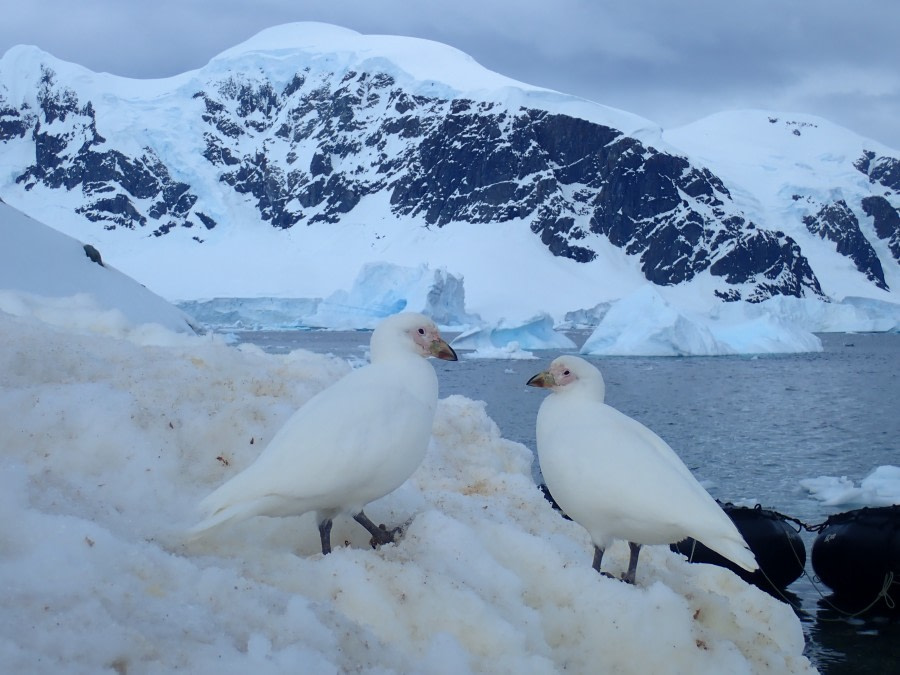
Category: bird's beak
[543,379]
[440,349]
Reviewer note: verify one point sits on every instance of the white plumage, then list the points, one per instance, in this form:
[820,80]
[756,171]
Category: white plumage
[352,443]
[618,479]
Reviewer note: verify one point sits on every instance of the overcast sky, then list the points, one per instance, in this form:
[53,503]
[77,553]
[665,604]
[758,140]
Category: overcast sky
[672,61]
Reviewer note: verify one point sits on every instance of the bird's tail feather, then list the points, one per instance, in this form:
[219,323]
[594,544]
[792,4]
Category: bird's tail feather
[237,511]
[736,551]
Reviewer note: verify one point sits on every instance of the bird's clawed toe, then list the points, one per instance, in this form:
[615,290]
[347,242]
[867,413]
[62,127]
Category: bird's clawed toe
[380,533]
[385,536]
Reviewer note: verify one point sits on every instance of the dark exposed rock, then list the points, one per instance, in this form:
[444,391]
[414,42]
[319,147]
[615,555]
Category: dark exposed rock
[887,222]
[92,253]
[75,155]
[881,170]
[837,223]
[772,262]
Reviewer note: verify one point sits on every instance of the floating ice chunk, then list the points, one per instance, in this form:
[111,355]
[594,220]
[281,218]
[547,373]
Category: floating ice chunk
[852,314]
[382,289]
[765,334]
[879,488]
[586,318]
[252,313]
[645,324]
[511,350]
[504,339]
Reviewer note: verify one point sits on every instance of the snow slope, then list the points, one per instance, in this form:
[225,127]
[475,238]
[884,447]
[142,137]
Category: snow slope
[47,273]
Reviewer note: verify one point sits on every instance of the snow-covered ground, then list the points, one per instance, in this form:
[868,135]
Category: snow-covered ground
[112,432]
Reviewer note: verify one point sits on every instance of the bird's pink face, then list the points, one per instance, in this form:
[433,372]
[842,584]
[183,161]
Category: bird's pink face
[559,374]
[429,342]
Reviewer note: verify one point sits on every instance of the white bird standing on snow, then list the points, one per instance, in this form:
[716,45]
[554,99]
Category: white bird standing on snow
[616,478]
[349,445]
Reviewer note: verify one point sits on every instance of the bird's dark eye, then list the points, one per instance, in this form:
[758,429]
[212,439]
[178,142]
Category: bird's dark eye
[421,331]
[566,372]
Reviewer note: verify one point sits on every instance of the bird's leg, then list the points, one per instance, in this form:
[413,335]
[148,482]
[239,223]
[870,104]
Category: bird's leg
[380,534]
[325,535]
[598,558]
[632,562]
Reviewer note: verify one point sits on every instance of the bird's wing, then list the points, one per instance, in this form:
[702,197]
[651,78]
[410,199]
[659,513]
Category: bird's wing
[627,469]
[334,443]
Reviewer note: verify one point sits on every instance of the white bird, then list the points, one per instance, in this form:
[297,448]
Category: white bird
[350,444]
[616,478]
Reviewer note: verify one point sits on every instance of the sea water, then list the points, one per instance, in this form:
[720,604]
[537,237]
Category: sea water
[750,428]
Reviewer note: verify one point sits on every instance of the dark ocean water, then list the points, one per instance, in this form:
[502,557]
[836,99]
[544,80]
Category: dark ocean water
[750,428]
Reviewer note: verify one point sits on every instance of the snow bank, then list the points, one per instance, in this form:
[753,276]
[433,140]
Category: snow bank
[879,488]
[645,324]
[38,262]
[512,339]
[108,446]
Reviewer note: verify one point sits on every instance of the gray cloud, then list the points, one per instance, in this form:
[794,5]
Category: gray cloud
[671,62]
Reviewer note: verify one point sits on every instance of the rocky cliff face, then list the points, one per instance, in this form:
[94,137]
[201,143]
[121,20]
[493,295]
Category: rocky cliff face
[308,151]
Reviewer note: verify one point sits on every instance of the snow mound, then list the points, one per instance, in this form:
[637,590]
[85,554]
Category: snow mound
[109,446]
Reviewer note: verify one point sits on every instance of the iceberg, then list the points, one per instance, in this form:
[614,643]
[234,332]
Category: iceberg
[585,318]
[382,289]
[379,290]
[851,315]
[508,340]
[252,313]
[645,324]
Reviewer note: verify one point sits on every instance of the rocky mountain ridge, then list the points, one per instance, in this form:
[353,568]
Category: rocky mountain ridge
[306,151]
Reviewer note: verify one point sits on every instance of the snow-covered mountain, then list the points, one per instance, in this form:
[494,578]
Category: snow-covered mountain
[291,161]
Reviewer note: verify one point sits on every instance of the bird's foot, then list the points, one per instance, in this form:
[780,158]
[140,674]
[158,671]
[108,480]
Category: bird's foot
[383,535]
[628,578]
[380,534]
